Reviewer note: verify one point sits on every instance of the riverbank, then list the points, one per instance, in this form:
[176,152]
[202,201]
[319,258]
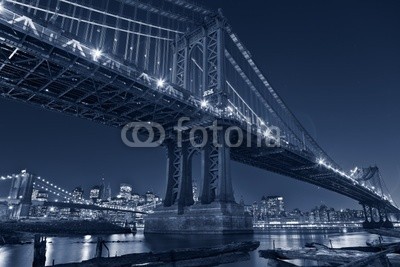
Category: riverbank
[12,231]
[311,230]
[65,250]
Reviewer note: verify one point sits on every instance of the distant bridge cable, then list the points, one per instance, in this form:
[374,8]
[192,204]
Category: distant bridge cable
[257,71]
[120,17]
[88,22]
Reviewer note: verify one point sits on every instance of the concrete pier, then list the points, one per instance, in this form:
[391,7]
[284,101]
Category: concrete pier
[214,218]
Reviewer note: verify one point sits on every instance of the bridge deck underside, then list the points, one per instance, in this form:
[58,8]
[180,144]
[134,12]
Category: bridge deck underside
[47,76]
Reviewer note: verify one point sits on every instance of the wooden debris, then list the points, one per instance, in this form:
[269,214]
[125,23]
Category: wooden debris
[385,232]
[350,256]
[178,257]
[372,259]
[322,255]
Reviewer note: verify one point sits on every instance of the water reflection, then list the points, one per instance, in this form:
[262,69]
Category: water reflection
[76,249]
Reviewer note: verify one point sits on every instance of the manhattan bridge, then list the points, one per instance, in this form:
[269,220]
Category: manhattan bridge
[121,61]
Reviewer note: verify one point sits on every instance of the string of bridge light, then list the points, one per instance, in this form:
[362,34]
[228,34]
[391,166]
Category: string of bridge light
[51,191]
[8,177]
[322,162]
[66,192]
[371,187]
[88,21]
[95,53]
[204,104]
[98,54]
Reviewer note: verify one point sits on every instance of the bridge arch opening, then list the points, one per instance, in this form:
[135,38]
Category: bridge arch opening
[194,165]
[196,70]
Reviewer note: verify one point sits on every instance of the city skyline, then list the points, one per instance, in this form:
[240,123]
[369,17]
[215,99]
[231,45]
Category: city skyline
[311,81]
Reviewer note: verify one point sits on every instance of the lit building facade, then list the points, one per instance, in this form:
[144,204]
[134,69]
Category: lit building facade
[95,194]
[125,191]
[77,195]
[275,206]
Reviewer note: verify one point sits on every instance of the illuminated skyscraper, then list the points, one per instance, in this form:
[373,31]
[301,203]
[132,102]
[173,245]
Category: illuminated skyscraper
[125,191]
[77,194]
[275,206]
[95,193]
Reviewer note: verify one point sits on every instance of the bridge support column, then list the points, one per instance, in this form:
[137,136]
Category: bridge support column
[380,211]
[185,194]
[217,212]
[179,176]
[217,182]
[370,222]
[366,222]
[387,223]
[173,171]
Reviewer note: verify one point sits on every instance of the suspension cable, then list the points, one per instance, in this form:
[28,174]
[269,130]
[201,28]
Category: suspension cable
[87,21]
[120,17]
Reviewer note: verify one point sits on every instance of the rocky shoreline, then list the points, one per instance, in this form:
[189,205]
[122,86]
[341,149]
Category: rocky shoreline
[13,232]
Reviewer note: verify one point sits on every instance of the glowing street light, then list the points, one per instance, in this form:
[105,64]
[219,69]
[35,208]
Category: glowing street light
[267,134]
[204,103]
[96,54]
[160,83]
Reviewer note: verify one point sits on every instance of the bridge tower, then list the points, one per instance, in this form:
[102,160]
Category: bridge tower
[370,210]
[198,66]
[199,61]
[21,193]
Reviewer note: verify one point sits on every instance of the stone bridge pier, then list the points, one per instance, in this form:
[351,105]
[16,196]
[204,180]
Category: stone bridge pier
[217,211]
[376,216]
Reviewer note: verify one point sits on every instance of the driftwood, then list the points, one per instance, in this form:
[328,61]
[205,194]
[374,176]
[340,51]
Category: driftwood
[179,257]
[352,256]
[385,232]
[374,258]
[322,255]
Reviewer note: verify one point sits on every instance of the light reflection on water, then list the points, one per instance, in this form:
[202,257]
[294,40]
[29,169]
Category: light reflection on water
[75,249]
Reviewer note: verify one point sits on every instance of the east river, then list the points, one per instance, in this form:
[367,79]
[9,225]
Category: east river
[76,249]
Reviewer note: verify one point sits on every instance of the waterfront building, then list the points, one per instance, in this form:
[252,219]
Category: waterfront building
[125,191]
[150,197]
[135,198]
[4,211]
[108,192]
[77,195]
[254,211]
[263,212]
[95,193]
[275,206]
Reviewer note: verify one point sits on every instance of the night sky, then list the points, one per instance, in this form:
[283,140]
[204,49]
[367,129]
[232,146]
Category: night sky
[336,64]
